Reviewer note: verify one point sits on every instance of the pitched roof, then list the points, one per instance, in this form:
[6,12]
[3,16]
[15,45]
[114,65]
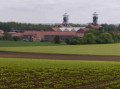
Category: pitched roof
[17,34]
[95,26]
[70,28]
[85,29]
[55,28]
[59,33]
[82,30]
[41,34]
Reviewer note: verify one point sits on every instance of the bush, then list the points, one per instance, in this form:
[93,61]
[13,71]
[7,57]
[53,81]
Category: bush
[1,38]
[117,38]
[67,41]
[16,38]
[74,42]
[94,36]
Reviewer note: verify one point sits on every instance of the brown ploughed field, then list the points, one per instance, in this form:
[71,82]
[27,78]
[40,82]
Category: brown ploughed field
[57,57]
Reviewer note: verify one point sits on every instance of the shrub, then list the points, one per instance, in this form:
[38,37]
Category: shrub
[16,38]
[1,38]
[117,38]
[74,42]
[67,41]
[83,41]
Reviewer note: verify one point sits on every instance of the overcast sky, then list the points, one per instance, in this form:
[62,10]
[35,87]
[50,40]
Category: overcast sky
[51,11]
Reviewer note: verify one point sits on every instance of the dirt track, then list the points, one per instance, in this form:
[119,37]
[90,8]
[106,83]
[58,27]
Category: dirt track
[57,57]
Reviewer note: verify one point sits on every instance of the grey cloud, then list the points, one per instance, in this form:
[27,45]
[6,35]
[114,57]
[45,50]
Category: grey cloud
[51,11]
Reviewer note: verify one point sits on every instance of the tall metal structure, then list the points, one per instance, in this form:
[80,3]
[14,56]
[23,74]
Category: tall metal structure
[65,19]
[95,18]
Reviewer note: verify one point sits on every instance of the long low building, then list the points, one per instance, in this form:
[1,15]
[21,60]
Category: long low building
[46,35]
[68,29]
[38,36]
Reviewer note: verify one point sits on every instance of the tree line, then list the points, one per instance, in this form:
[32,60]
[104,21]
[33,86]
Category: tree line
[94,36]
[111,27]
[13,26]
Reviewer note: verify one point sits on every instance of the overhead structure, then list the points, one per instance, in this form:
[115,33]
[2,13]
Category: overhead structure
[65,19]
[95,18]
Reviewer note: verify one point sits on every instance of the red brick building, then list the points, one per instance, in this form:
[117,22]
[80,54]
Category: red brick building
[46,35]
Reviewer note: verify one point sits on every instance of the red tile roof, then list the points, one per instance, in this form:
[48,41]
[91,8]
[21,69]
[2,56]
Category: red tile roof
[62,26]
[85,29]
[55,28]
[82,30]
[59,33]
[97,26]
[80,35]
[63,33]
[41,34]
[17,34]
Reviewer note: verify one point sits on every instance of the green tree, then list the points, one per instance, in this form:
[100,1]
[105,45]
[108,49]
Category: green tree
[110,27]
[90,37]
[83,40]
[74,42]
[1,38]
[106,38]
[98,40]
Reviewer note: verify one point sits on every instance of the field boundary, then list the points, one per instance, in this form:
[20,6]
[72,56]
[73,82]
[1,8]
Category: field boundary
[4,54]
[61,54]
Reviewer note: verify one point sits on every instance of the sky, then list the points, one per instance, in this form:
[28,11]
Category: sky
[51,11]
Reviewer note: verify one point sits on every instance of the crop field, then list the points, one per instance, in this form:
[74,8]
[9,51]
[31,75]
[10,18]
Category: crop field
[24,44]
[99,50]
[56,74]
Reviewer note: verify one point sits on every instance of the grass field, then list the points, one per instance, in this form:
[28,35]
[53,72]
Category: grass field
[101,50]
[56,74]
[22,44]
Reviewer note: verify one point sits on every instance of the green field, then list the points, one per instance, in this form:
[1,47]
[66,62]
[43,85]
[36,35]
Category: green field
[101,49]
[24,44]
[56,74]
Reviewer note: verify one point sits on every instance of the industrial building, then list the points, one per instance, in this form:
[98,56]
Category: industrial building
[64,31]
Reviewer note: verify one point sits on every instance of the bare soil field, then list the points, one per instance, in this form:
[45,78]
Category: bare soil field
[57,57]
